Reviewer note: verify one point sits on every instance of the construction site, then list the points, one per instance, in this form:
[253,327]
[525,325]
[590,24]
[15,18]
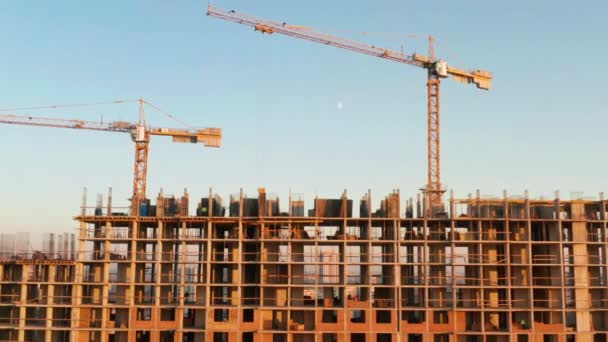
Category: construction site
[429,268]
[502,269]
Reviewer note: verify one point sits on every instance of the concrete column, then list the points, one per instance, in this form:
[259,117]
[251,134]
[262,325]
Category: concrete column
[50,302]
[155,334]
[581,275]
[75,335]
[131,293]
[396,281]
[490,258]
[179,314]
[23,300]
[207,265]
[105,277]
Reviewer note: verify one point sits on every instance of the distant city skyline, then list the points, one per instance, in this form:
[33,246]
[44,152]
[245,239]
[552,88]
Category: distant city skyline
[25,244]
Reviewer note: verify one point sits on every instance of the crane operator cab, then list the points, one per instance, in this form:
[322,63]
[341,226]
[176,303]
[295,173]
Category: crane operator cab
[138,134]
[441,68]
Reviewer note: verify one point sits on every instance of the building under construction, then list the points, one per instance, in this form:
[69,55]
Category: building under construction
[502,269]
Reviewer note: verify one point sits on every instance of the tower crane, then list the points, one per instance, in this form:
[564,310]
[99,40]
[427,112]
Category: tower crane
[436,70]
[140,134]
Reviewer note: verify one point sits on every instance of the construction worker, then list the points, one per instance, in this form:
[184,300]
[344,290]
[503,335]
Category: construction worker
[523,323]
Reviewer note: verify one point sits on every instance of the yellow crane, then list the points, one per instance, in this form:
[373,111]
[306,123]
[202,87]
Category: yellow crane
[140,134]
[436,70]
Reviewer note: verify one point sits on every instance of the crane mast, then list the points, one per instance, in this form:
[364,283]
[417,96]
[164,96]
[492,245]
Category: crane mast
[433,187]
[142,140]
[140,134]
[436,69]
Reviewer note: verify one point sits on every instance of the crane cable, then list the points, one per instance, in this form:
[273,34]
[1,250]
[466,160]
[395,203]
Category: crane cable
[69,105]
[169,115]
[448,53]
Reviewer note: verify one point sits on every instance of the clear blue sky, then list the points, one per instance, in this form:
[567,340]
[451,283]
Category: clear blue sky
[542,127]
